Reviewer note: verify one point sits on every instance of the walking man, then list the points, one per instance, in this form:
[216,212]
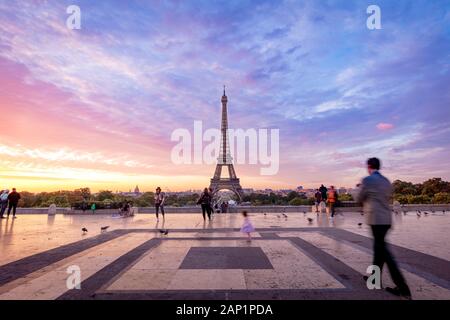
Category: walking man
[160,197]
[332,199]
[375,195]
[13,199]
[318,198]
[3,202]
[323,190]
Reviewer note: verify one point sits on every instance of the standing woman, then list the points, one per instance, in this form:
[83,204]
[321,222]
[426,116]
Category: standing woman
[160,197]
[205,202]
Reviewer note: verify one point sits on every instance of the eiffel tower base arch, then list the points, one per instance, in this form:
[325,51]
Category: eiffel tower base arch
[227,184]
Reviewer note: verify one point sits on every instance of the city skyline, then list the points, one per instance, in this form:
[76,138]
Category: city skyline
[96,107]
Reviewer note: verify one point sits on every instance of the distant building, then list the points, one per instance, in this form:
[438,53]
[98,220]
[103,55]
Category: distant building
[137,193]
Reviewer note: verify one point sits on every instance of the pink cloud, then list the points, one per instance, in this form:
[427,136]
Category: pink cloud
[385,126]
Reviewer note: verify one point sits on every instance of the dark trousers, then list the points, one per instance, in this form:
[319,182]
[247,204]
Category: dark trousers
[157,207]
[332,208]
[206,208]
[3,206]
[12,206]
[382,256]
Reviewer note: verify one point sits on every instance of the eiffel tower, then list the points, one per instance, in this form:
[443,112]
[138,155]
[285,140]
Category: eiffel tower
[224,160]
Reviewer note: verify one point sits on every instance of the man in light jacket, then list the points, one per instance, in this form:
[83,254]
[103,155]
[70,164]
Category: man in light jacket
[3,202]
[375,195]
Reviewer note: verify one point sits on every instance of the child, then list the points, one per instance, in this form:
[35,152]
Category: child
[247,227]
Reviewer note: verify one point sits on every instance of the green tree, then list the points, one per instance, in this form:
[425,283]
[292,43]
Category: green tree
[434,186]
[104,195]
[403,187]
[441,198]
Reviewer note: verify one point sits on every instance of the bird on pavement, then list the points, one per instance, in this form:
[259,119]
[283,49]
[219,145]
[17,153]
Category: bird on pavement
[360,224]
[84,230]
[164,232]
[418,214]
[285,215]
[104,228]
[310,220]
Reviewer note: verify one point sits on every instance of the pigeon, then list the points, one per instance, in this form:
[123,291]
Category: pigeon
[310,220]
[104,228]
[419,211]
[443,211]
[360,224]
[284,215]
[426,213]
[265,214]
[164,232]
[84,230]
[304,212]
[362,213]
[418,214]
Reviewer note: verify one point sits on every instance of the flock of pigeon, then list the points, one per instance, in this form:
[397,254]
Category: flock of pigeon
[102,229]
[311,220]
[105,228]
[419,213]
[284,215]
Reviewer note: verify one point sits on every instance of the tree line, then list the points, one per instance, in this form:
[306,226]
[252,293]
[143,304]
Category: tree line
[434,190]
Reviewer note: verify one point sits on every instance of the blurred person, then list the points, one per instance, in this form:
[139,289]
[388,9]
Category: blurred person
[160,198]
[3,202]
[323,190]
[375,194]
[210,208]
[318,200]
[331,200]
[93,208]
[205,202]
[247,226]
[223,207]
[13,200]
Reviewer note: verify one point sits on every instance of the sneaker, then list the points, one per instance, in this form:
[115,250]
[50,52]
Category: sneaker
[406,293]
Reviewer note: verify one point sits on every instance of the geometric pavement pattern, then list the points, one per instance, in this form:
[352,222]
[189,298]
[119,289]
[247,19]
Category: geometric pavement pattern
[280,263]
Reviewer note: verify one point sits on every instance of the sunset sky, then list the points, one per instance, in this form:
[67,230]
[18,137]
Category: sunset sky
[96,107]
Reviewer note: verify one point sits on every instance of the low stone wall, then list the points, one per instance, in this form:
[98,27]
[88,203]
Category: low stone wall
[250,209]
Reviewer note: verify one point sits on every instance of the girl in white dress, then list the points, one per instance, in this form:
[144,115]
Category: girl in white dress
[247,227]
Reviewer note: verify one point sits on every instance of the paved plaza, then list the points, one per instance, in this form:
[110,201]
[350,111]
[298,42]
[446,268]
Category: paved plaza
[289,258]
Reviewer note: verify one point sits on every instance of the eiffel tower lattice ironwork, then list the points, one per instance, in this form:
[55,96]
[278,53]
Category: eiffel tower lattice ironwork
[225,160]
